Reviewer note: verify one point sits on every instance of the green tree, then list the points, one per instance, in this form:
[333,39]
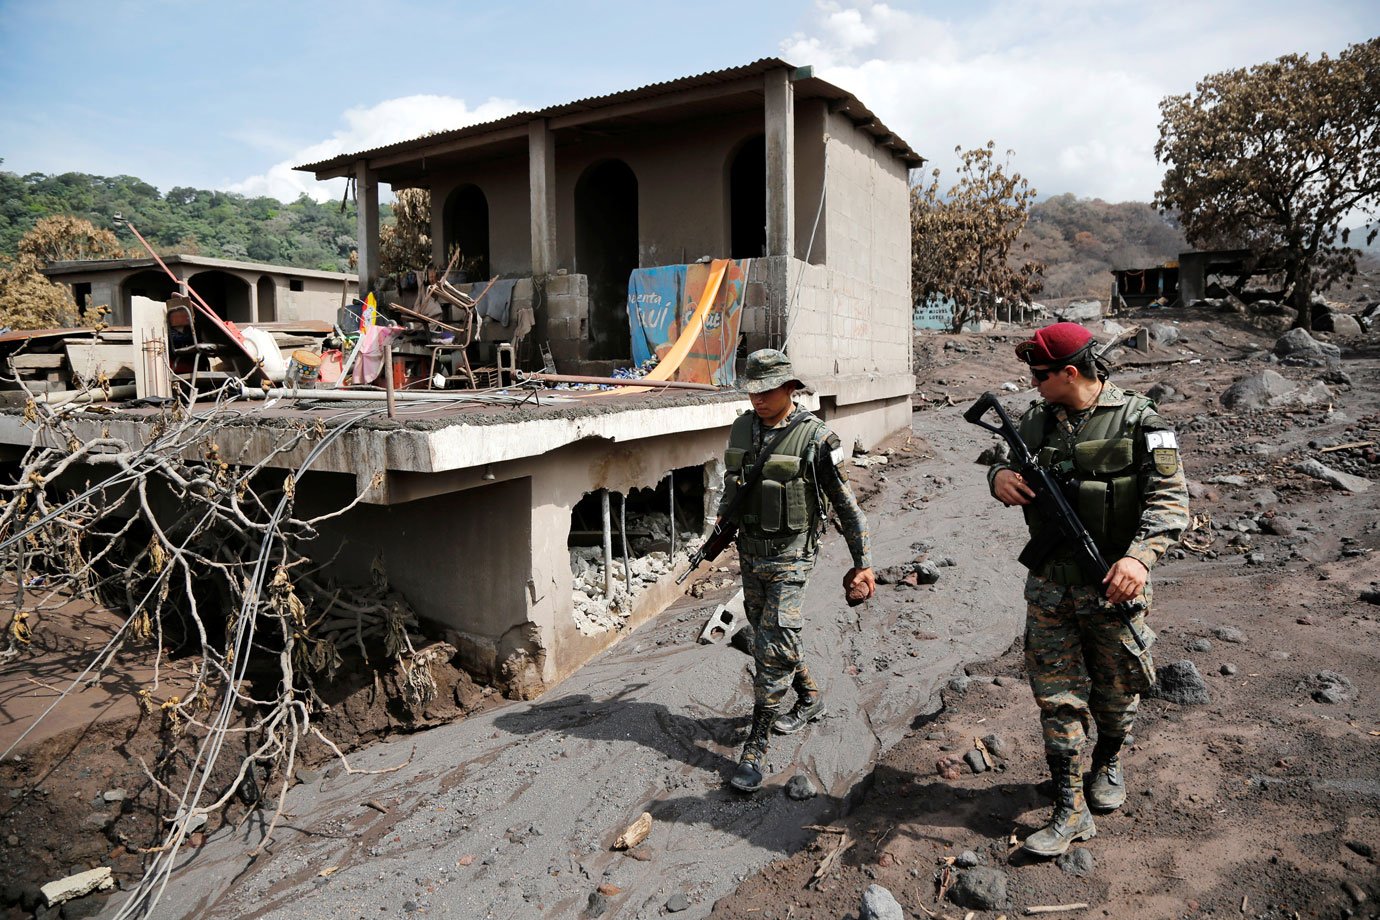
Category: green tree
[1275,157]
[962,241]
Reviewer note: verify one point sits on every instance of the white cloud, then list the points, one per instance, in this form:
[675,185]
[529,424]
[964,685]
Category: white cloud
[1072,86]
[364,128]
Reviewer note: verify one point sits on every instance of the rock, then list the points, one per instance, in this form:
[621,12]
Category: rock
[1180,683]
[1010,387]
[959,684]
[1361,849]
[966,860]
[1164,333]
[76,886]
[82,908]
[1228,669]
[1201,493]
[1298,347]
[1370,597]
[980,888]
[1278,525]
[997,453]
[1345,324]
[948,767]
[996,744]
[307,775]
[1161,393]
[880,904]
[1256,391]
[1331,688]
[1228,480]
[1354,891]
[1200,645]
[677,903]
[1079,311]
[1077,861]
[1229,634]
[975,761]
[114,795]
[598,903]
[1344,481]
[1277,655]
[800,788]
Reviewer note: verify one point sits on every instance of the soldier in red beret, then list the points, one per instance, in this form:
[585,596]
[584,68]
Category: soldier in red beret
[1126,481]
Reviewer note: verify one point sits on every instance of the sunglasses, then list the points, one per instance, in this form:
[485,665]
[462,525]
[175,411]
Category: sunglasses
[1042,375]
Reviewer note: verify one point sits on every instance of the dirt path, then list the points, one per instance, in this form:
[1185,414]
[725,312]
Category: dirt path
[512,812]
[1263,799]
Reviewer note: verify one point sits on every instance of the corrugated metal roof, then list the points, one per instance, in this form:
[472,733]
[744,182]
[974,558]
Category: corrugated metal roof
[818,88]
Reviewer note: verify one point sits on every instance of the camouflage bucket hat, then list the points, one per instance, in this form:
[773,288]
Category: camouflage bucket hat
[768,369]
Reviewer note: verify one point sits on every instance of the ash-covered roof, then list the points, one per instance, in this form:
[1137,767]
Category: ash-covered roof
[806,87]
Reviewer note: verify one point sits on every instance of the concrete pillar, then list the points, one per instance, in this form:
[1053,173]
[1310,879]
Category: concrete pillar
[367,195]
[541,158]
[780,129]
[780,137]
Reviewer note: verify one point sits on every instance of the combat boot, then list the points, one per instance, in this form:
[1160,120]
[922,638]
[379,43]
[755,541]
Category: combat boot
[1107,785]
[807,709]
[809,704]
[1071,819]
[748,776]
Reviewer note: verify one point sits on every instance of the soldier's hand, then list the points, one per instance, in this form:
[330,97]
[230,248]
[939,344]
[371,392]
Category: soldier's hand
[1011,488]
[859,585]
[1125,579]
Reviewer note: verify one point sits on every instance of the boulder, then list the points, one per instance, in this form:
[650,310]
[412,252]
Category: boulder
[1257,391]
[1180,683]
[1079,311]
[1345,324]
[1161,393]
[1297,346]
[1164,334]
[1344,481]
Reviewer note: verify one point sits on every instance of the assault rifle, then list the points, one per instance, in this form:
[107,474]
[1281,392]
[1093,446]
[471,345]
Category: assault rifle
[1051,505]
[725,531]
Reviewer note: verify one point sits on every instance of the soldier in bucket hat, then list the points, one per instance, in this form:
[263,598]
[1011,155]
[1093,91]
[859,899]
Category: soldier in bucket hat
[1120,461]
[779,524]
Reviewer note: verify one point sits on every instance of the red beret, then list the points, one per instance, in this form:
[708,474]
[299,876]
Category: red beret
[1053,344]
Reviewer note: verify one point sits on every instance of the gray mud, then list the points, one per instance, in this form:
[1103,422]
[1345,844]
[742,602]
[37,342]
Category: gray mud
[512,812]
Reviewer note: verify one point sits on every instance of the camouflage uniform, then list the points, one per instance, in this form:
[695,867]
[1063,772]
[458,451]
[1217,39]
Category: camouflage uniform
[779,522]
[1085,666]
[774,577]
[1082,661]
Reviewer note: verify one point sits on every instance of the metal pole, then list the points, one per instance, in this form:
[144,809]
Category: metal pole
[608,544]
[623,529]
[671,507]
[388,375]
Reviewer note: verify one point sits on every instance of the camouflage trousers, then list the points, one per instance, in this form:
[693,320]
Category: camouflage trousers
[1084,665]
[773,592]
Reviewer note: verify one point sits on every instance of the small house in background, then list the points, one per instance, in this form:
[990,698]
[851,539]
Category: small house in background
[1141,287]
[241,292]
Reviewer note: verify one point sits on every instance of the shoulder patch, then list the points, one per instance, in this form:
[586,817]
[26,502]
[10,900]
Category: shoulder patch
[1160,440]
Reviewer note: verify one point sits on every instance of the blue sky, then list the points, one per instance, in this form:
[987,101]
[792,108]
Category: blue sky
[231,95]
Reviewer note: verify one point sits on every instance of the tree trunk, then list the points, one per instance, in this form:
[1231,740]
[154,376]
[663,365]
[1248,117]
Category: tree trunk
[1301,299]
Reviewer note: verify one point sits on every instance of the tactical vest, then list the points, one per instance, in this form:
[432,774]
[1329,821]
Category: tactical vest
[781,511]
[1100,469]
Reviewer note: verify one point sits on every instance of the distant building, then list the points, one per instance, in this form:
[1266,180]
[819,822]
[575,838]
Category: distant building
[242,292]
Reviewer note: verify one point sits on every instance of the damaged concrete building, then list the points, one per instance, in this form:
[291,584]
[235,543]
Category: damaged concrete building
[490,518]
[241,292]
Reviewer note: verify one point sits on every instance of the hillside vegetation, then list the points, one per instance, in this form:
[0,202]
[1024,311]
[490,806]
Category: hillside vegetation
[1080,241]
[224,225]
